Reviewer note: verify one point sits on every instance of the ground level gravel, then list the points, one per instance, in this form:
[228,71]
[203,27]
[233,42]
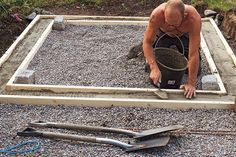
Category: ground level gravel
[94,56]
[69,61]
[15,117]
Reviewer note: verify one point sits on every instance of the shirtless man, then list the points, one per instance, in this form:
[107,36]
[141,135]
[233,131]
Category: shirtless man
[175,19]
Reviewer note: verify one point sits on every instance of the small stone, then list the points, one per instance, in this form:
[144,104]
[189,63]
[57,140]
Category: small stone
[45,12]
[25,77]
[209,82]
[38,10]
[59,23]
[209,13]
[31,16]
[42,11]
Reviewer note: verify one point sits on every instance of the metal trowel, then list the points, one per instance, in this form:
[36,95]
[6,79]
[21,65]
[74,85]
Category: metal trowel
[160,93]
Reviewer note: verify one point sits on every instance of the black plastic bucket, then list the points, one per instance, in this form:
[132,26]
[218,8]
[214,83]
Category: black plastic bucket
[172,65]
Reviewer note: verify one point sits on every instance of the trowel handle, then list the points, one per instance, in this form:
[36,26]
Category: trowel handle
[81,127]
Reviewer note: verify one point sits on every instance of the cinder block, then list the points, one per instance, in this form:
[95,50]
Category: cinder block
[209,82]
[59,23]
[25,77]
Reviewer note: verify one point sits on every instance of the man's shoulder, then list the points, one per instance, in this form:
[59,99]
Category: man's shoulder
[193,20]
[158,12]
[192,15]
[192,11]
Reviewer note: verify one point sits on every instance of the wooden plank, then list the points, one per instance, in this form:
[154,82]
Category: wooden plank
[214,43]
[219,102]
[8,53]
[33,51]
[221,54]
[228,103]
[230,84]
[212,64]
[82,17]
[58,89]
[226,69]
[228,49]
[104,90]
[207,54]
[223,61]
[106,22]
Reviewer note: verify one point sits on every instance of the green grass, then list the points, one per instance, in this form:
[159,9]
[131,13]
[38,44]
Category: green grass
[218,4]
[25,6]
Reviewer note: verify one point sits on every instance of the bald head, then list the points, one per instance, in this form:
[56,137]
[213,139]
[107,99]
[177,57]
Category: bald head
[174,12]
[176,5]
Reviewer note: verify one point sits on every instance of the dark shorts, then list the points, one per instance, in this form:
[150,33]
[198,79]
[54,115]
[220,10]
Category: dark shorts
[167,41]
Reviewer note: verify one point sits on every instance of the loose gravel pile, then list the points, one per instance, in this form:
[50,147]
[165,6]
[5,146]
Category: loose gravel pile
[15,117]
[94,56]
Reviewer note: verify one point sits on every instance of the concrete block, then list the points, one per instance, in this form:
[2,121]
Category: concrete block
[209,82]
[25,77]
[59,23]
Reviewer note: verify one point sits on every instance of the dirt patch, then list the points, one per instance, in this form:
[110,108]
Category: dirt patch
[10,29]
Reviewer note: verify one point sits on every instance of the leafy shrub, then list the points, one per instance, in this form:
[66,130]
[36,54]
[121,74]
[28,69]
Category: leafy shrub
[24,6]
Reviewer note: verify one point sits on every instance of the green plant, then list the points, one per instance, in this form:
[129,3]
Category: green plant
[3,8]
[91,2]
[217,4]
[25,6]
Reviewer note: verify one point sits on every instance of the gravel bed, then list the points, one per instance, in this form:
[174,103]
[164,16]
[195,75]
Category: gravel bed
[15,117]
[81,56]
[94,56]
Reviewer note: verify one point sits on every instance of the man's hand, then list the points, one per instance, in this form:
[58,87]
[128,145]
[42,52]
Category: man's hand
[189,91]
[155,76]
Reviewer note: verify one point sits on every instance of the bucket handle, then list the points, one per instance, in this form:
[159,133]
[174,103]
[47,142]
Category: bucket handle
[175,36]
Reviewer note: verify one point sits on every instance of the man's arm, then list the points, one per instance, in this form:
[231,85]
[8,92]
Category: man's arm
[149,37]
[194,44]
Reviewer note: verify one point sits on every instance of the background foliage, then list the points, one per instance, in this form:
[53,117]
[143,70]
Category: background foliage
[217,4]
[25,6]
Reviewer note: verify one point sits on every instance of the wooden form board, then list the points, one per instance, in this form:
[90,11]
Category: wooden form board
[33,51]
[227,47]
[222,54]
[212,66]
[225,103]
[92,21]
[216,101]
